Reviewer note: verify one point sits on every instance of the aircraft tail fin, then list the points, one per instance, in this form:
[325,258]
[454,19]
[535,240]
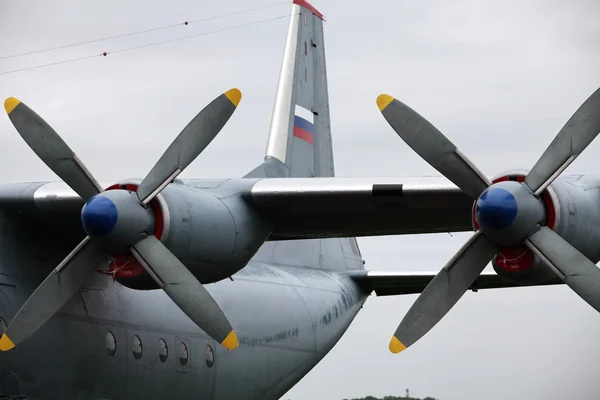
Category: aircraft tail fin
[300,135]
[300,139]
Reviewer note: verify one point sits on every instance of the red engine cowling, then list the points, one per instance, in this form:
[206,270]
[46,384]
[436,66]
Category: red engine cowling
[124,265]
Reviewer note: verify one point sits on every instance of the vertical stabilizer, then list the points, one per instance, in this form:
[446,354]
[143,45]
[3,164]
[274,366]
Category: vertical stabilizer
[300,139]
[300,135]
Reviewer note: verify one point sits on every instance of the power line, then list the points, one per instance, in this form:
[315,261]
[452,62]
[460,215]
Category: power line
[146,45]
[49,64]
[143,31]
[197,34]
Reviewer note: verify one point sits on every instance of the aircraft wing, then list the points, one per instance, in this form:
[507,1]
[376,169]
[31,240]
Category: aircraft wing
[302,208]
[391,283]
[298,208]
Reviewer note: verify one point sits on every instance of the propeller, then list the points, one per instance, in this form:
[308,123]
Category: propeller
[509,214]
[119,220]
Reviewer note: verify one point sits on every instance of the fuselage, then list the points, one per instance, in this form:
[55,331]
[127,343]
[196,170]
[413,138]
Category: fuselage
[288,303]
[112,342]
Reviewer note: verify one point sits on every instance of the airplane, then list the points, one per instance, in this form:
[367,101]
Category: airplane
[236,288]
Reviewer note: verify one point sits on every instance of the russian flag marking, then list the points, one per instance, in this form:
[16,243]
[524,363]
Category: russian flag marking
[304,114]
[304,127]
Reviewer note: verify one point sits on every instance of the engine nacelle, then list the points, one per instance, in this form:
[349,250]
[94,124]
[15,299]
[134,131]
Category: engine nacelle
[572,211]
[213,236]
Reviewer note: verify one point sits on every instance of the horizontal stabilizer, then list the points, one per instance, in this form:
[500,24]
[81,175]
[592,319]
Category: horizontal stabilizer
[391,283]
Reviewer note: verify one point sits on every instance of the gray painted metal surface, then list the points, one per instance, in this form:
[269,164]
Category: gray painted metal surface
[302,93]
[435,148]
[192,140]
[579,131]
[50,147]
[572,267]
[56,290]
[514,215]
[444,291]
[287,318]
[280,121]
[116,223]
[183,288]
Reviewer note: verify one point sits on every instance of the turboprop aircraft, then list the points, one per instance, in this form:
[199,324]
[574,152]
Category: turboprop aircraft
[236,288]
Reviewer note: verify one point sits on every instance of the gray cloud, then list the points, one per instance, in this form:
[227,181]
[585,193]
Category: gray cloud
[499,78]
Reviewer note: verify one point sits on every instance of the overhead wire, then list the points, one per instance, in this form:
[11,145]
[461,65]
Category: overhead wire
[198,34]
[144,31]
[145,45]
[49,64]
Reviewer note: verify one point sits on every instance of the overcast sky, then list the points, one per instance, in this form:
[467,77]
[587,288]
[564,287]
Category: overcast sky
[498,78]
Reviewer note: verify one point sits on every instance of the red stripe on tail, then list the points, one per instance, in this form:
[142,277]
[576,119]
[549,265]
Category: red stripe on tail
[304,135]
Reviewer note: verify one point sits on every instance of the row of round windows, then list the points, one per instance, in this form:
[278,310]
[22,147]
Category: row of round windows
[183,354]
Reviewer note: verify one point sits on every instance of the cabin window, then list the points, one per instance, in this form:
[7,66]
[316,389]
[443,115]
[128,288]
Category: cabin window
[184,355]
[163,350]
[136,345]
[305,48]
[210,356]
[110,342]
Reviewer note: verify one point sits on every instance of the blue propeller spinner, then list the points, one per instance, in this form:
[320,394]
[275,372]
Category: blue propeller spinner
[508,212]
[99,216]
[496,208]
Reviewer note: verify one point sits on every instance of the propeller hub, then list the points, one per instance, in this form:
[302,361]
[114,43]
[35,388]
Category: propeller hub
[117,218]
[99,216]
[507,212]
[496,208]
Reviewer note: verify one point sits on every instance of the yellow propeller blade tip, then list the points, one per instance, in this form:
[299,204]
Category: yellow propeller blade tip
[5,343]
[396,346]
[10,104]
[231,341]
[234,95]
[383,100]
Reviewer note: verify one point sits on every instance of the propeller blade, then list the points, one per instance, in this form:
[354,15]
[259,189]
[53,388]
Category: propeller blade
[572,267]
[443,291]
[581,129]
[435,148]
[57,289]
[194,138]
[185,290]
[51,149]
